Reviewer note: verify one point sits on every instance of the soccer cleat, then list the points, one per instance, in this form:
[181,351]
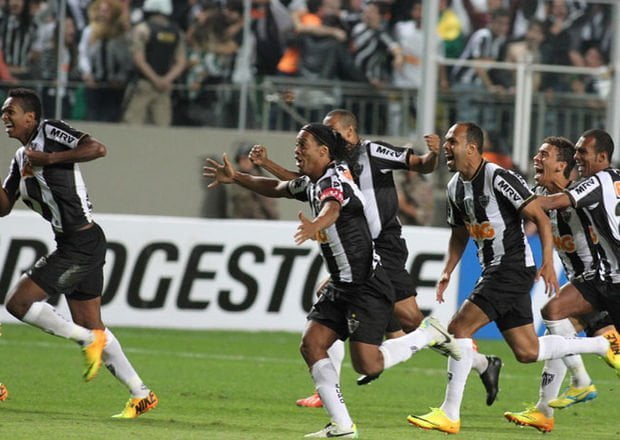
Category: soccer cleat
[333,430]
[571,396]
[613,354]
[366,379]
[531,417]
[137,406]
[313,401]
[4,393]
[443,339]
[490,378]
[437,420]
[92,354]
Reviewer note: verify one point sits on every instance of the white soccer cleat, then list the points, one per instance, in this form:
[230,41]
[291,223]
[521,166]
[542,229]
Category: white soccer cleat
[333,430]
[442,337]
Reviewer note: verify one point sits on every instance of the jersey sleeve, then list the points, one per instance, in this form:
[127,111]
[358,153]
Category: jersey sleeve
[331,188]
[389,157]
[298,188]
[59,135]
[11,182]
[453,215]
[586,193]
[512,188]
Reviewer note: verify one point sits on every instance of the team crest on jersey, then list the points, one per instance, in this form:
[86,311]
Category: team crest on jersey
[484,200]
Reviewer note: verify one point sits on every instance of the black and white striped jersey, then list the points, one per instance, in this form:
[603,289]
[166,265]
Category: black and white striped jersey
[489,207]
[57,192]
[482,44]
[346,245]
[600,196]
[375,163]
[573,238]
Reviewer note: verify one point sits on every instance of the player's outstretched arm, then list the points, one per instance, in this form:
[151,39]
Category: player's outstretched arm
[6,203]
[258,156]
[225,173]
[534,211]
[456,246]
[87,149]
[428,162]
[554,201]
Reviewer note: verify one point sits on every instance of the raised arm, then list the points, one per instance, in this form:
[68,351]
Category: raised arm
[258,156]
[225,173]
[87,149]
[427,163]
[456,246]
[534,211]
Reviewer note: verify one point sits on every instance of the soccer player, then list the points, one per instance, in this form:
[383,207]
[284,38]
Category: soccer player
[487,203]
[373,163]
[45,173]
[357,304]
[553,166]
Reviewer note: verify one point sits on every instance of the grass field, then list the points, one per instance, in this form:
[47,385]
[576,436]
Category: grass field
[235,385]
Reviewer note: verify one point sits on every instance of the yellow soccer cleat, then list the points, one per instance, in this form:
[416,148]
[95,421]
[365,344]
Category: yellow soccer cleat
[137,406]
[437,420]
[572,396]
[613,354]
[4,393]
[92,354]
[531,417]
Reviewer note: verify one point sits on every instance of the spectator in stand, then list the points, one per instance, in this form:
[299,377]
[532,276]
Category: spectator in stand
[17,35]
[272,26]
[523,12]
[469,83]
[45,65]
[592,29]
[212,51]
[159,56]
[600,84]
[527,49]
[5,73]
[104,60]
[415,199]
[248,204]
[558,47]
[450,30]
[375,52]
[309,21]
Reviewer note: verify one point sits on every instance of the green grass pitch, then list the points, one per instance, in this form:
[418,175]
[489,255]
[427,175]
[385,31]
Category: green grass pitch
[238,385]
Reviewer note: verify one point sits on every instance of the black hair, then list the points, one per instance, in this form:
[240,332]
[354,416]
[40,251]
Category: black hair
[473,134]
[28,100]
[335,143]
[603,141]
[346,117]
[566,151]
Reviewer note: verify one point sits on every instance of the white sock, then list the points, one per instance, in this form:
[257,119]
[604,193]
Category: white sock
[579,375]
[555,347]
[118,364]
[479,362]
[326,383]
[336,354]
[400,349]
[550,384]
[42,315]
[457,378]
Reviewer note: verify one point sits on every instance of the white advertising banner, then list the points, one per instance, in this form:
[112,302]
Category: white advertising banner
[209,274]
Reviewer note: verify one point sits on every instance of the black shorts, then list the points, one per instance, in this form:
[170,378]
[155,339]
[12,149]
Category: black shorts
[503,294]
[75,268]
[393,252]
[602,295]
[358,312]
[595,321]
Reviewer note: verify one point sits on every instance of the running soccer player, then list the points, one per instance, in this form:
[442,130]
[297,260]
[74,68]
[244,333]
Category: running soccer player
[373,164]
[358,302]
[45,173]
[553,165]
[487,203]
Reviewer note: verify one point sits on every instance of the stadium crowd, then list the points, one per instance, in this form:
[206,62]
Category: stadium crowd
[112,55]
